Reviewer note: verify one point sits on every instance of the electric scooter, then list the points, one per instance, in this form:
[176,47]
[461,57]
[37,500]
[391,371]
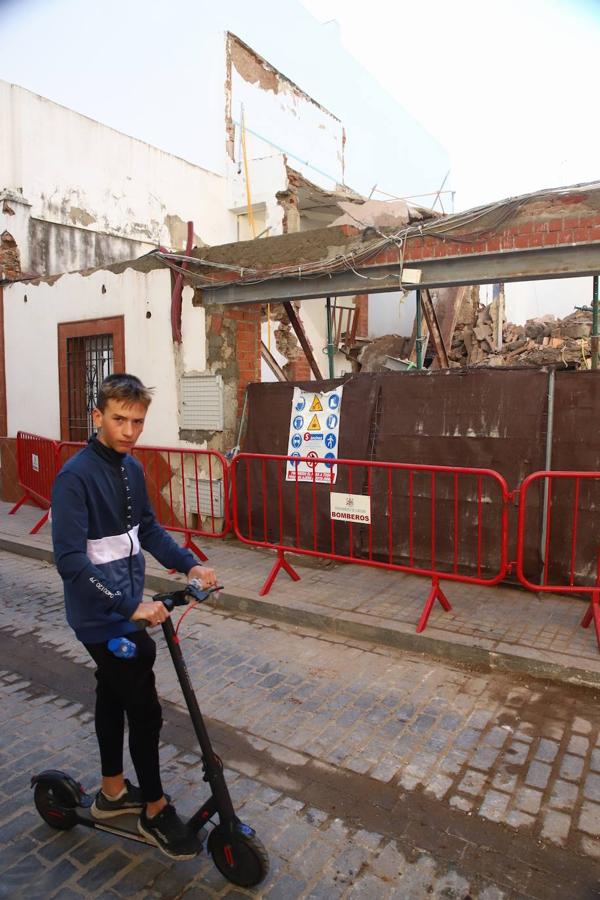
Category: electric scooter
[236,851]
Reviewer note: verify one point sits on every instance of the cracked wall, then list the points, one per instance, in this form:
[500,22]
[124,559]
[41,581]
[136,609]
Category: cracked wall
[92,190]
[275,106]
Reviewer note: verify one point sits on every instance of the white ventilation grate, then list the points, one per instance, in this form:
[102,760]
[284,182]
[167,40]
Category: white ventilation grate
[202,402]
[202,499]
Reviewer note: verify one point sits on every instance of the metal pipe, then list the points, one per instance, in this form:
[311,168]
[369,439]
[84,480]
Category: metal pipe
[595,333]
[330,348]
[548,462]
[419,338]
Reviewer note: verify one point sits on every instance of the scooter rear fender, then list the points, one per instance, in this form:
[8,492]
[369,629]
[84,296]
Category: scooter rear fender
[56,777]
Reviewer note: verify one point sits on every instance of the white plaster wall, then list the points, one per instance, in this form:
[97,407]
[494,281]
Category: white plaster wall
[265,372]
[79,172]
[290,122]
[193,332]
[31,341]
[559,297]
[313,314]
[391,313]
[267,177]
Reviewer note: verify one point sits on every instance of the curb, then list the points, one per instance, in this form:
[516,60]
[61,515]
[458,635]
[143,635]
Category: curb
[401,636]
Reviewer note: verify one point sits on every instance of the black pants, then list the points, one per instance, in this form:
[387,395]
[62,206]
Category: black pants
[126,686]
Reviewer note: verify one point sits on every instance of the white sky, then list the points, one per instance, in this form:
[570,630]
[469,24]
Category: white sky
[511,88]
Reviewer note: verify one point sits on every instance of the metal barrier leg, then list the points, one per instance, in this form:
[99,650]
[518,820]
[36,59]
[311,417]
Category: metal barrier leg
[436,593]
[190,545]
[281,563]
[36,502]
[593,612]
[18,505]
[41,522]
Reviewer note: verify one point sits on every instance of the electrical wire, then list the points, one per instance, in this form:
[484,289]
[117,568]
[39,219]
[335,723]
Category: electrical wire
[182,617]
[442,229]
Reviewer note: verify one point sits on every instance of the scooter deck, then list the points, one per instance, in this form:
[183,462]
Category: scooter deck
[125,825]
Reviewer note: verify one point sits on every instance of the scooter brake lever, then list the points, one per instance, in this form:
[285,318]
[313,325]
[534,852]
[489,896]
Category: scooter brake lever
[201,594]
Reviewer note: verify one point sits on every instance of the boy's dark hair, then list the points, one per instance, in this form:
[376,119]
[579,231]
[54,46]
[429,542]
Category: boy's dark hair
[124,388]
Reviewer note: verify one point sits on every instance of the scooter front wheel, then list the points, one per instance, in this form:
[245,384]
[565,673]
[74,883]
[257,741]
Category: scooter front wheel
[55,806]
[239,856]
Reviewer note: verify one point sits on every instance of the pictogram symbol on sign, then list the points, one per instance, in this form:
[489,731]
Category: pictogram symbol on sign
[314,424]
[310,459]
[315,406]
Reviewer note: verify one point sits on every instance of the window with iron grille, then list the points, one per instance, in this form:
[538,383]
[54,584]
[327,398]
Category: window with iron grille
[89,360]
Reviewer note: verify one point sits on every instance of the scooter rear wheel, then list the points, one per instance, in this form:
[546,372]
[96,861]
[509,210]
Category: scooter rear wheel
[240,857]
[55,806]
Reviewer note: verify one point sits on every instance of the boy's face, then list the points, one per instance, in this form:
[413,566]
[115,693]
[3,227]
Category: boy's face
[120,425]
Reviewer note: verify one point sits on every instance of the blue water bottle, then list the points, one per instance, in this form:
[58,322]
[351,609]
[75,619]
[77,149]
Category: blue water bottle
[122,647]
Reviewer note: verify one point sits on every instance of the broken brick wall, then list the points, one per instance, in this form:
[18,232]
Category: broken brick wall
[233,351]
[10,258]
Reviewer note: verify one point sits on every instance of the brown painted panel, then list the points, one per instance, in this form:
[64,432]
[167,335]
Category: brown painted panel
[482,418]
[114,325]
[576,446]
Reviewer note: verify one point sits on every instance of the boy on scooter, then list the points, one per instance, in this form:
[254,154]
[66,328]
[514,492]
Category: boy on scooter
[101,518]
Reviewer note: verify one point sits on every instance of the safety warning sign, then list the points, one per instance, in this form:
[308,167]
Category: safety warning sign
[314,440]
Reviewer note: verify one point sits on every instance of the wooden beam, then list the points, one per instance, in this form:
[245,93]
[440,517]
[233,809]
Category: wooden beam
[303,340]
[435,332]
[272,363]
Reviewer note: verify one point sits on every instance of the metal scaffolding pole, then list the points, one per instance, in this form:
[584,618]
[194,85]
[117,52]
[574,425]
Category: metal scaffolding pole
[419,338]
[330,347]
[594,340]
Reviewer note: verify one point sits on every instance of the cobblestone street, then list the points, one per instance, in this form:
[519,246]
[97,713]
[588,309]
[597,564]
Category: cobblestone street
[367,772]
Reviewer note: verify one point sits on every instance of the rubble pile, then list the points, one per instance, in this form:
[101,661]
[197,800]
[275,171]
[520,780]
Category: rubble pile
[539,342]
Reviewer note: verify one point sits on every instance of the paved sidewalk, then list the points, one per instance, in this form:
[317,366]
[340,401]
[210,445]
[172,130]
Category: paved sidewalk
[497,627]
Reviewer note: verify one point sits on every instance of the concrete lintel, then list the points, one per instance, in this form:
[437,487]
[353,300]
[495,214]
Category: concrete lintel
[566,261]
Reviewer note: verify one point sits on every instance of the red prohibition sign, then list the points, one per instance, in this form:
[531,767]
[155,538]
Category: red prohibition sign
[310,459]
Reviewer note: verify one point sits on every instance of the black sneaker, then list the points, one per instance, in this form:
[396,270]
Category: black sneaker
[129,802]
[170,834]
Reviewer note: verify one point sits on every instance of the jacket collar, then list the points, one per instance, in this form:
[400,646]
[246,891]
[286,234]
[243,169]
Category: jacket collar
[106,453]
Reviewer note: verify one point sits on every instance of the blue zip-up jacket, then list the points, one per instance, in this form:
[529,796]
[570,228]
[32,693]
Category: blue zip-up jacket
[101,516]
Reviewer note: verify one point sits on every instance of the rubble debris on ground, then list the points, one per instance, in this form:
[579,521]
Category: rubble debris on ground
[541,341]
[374,356]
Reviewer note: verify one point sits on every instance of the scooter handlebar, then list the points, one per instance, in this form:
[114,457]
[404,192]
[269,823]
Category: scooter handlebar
[191,591]
[171,599]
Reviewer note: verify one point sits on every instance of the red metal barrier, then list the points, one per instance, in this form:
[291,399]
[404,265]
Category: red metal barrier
[189,490]
[566,532]
[67,449]
[436,521]
[36,471]
[183,485]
